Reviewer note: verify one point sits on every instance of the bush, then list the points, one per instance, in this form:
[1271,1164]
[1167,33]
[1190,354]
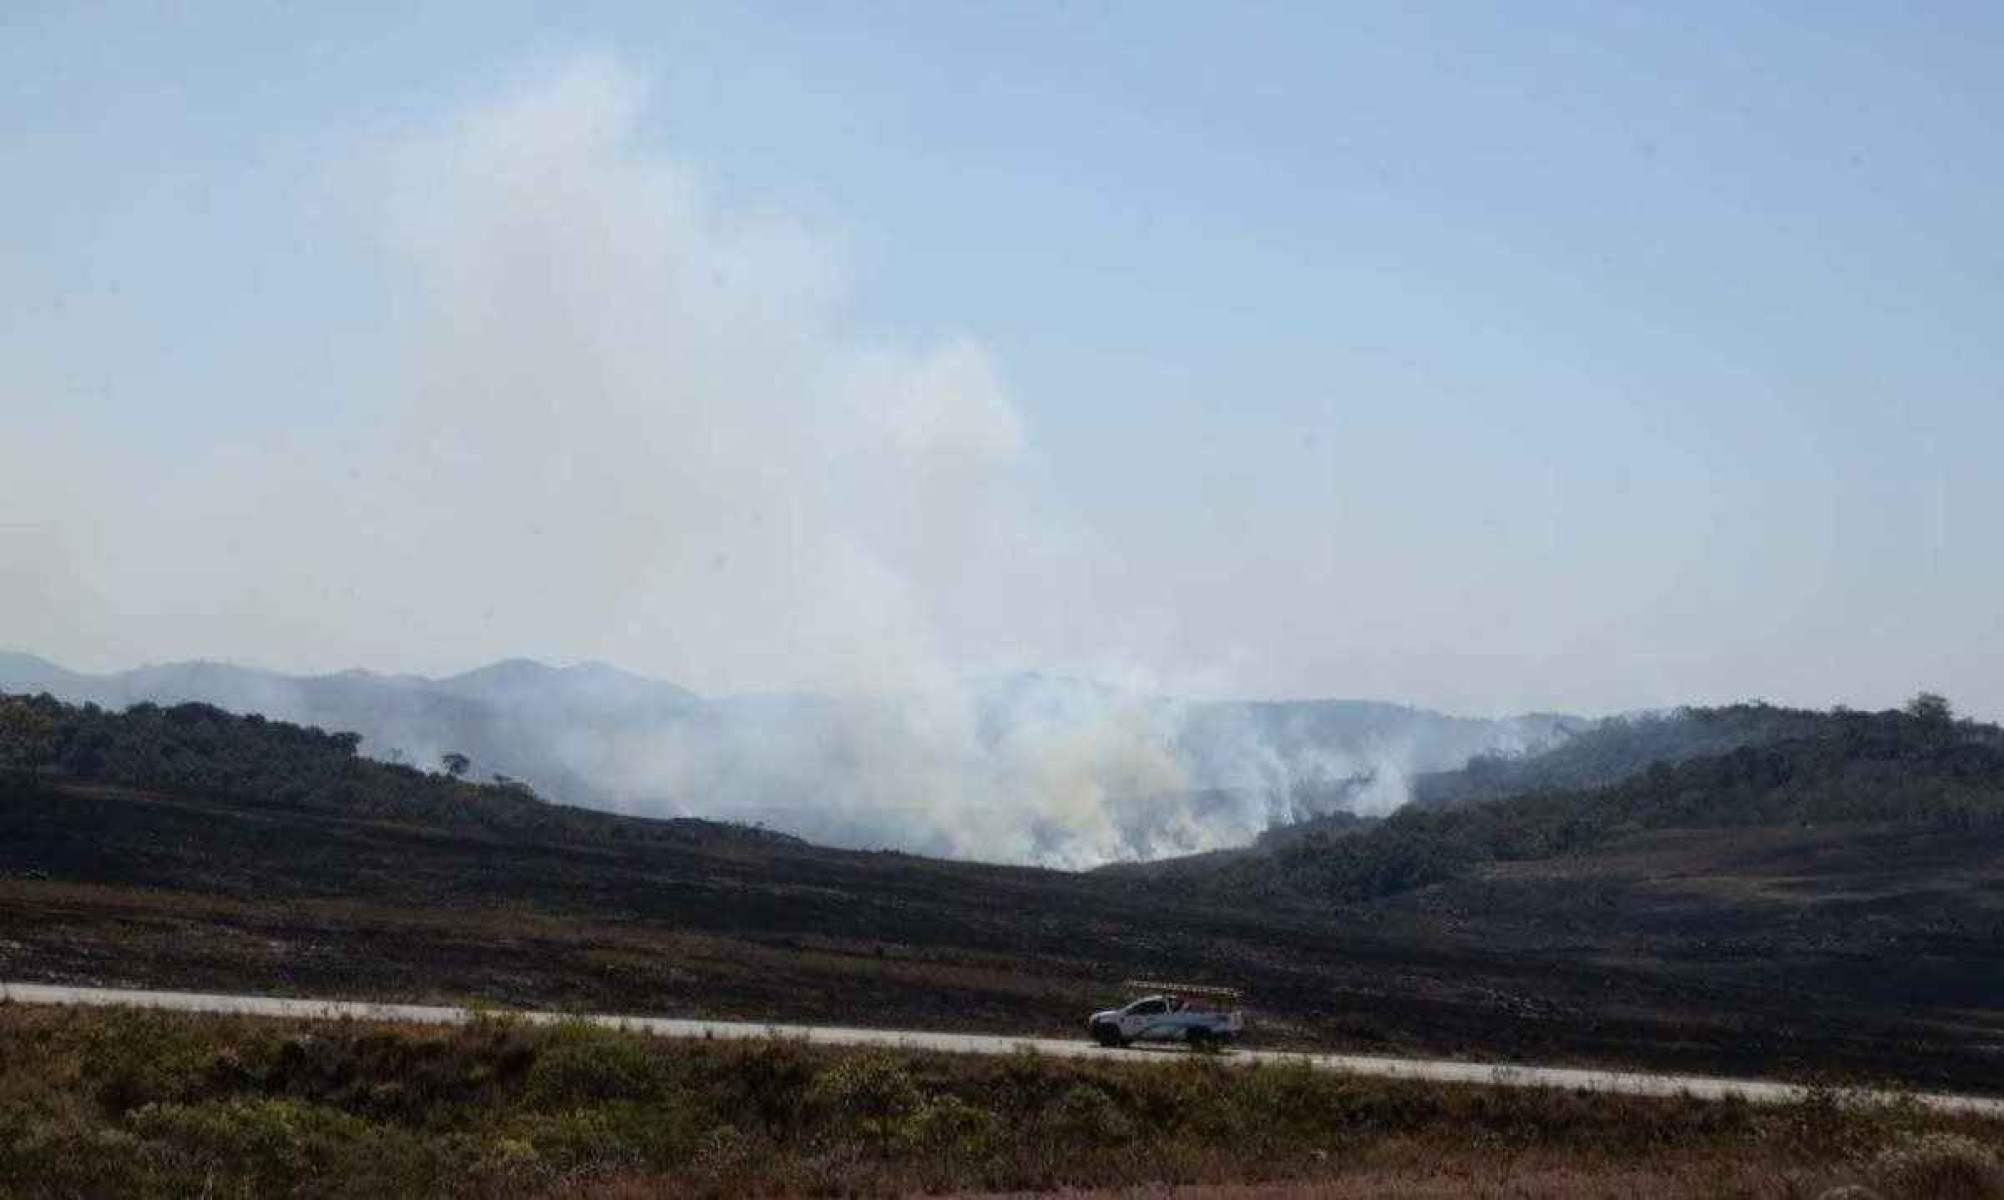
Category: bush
[870,1097]
[1086,1116]
[948,1125]
[586,1064]
[765,1081]
[271,1145]
[1940,1166]
[580,1141]
[72,1158]
[144,1058]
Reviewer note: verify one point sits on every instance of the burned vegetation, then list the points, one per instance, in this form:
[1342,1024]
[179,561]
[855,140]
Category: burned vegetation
[1818,899]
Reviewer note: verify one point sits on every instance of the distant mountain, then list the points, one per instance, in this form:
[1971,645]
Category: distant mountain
[587,687]
[1023,767]
[25,672]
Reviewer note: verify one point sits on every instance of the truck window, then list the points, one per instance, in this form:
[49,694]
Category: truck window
[1147,1008]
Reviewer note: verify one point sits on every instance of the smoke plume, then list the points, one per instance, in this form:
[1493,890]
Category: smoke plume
[621,419]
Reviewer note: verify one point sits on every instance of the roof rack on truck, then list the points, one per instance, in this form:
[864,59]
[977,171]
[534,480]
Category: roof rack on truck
[1202,1015]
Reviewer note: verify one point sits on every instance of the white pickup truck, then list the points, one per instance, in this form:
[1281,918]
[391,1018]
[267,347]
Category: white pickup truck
[1193,1015]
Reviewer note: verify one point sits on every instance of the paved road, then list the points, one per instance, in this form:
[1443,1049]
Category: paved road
[1628,1083]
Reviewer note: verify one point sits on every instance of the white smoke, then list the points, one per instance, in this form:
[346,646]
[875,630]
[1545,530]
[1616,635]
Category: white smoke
[653,406]
[1022,769]
[630,422]
[656,403]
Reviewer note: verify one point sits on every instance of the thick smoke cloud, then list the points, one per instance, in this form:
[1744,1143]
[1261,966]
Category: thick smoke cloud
[624,420]
[590,411]
[653,408]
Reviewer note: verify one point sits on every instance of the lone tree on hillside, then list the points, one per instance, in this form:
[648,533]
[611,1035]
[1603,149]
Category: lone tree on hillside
[455,763]
[510,784]
[1932,708]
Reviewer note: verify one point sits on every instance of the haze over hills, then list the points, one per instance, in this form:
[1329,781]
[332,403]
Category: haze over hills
[1021,767]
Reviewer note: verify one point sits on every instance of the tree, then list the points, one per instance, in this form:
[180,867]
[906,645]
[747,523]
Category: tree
[514,786]
[455,763]
[27,733]
[1931,708]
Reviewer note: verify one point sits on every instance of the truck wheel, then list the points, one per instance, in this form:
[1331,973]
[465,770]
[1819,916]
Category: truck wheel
[1199,1038]
[1108,1036]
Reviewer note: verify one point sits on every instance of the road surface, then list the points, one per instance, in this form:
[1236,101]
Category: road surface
[1758,1091]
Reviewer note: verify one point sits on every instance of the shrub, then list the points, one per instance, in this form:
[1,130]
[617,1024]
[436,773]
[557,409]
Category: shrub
[948,1125]
[1086,1116]
[580,1141]
[764,1080]
[145,1057]
[729,1162]
[242,1109]
[1941,1166]
[585,1064]
[869,1097]
[269,1145]
[72,1158]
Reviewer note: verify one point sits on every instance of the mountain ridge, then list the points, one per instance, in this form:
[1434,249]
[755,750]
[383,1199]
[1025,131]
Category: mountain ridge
[1029,767]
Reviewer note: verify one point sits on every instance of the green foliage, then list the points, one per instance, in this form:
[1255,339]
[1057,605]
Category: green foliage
[869,1097]
[766,1081]
[949,1125]
[147,1058]
[602,1138]
[586,1064]
[242,1108]
[28,732]
[1086,1116]
[275,1144]
[76,1157]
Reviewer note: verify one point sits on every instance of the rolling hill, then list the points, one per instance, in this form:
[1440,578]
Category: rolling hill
[1825,904]
[1143,776]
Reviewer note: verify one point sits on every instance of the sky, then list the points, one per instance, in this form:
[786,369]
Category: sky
[1489,358]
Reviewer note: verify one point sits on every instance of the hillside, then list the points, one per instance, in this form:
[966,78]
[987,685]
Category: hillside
[1788,769]
[1591,754]
[1825,904]
[1152,775]
[1612,749]
[1851,861]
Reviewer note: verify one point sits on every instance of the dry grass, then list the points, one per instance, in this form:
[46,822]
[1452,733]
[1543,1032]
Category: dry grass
[153,1104]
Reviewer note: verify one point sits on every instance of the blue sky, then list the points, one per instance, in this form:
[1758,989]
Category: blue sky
[1479,356]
